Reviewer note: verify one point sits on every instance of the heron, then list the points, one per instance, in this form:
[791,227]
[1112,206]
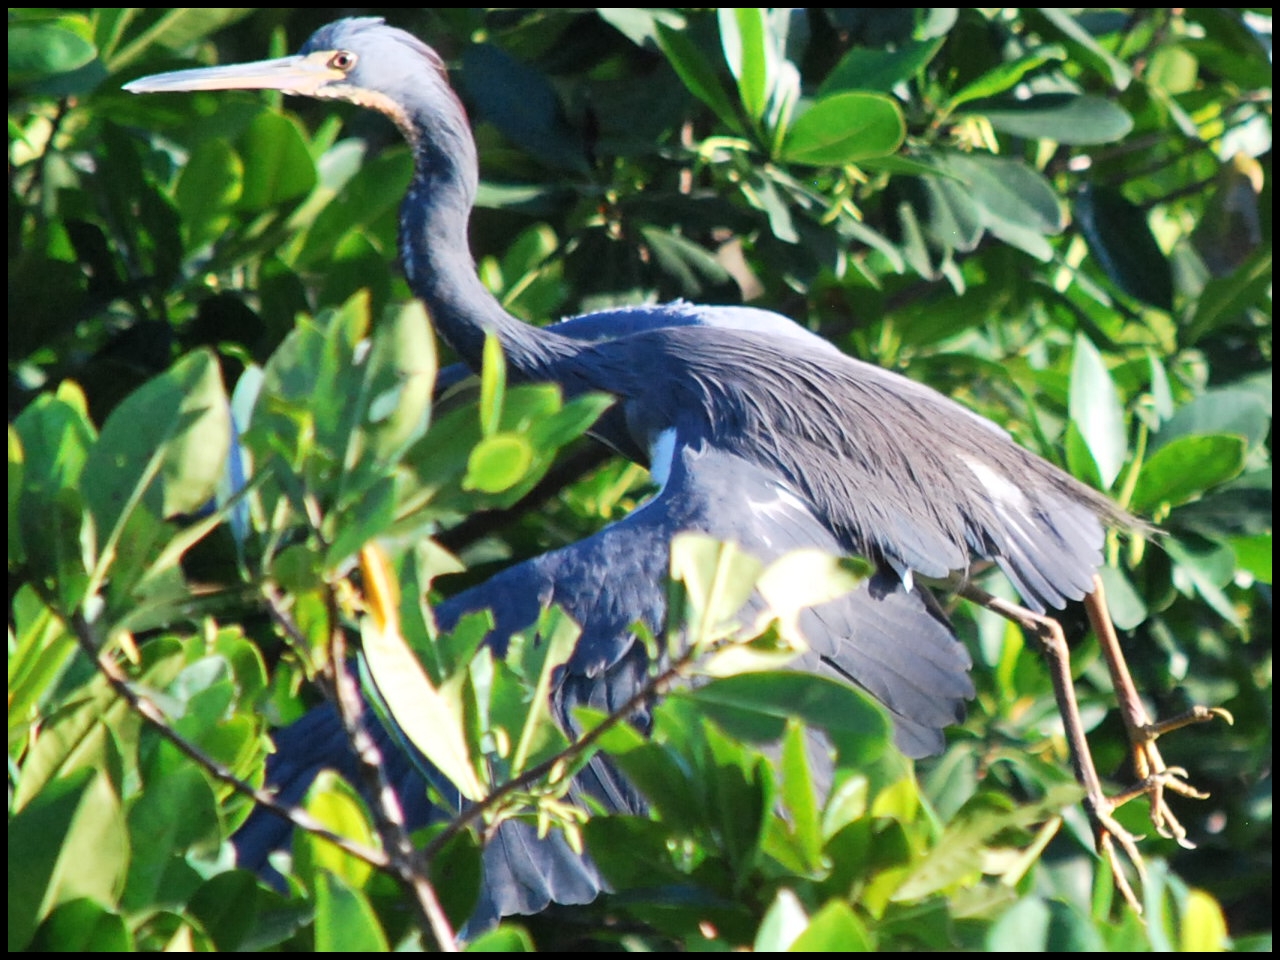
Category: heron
[892,470]
[893,643]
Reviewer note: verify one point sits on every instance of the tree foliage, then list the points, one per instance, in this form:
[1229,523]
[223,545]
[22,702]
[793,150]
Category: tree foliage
[1060,219]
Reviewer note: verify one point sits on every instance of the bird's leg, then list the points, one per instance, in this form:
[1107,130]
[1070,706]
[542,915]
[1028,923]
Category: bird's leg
[1154,776]
[1108,834]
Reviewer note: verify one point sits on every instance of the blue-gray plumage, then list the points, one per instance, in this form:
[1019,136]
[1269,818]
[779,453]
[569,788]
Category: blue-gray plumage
[891,641]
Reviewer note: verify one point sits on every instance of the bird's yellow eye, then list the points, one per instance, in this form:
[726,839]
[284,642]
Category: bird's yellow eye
[342,60]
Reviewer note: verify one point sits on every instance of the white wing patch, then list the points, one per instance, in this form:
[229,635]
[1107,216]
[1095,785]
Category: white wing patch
[661,457]
[1002,490]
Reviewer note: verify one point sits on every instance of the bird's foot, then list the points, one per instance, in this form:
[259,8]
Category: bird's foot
[1156,777]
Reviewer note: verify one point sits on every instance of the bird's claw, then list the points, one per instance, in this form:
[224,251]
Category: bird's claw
[1155,776]
[1110,835]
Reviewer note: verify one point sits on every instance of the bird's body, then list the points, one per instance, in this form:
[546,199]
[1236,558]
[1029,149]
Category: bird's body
[895,470]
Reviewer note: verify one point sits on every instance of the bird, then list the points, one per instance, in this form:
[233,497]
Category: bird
[608,583]
[901,474]
[892,470]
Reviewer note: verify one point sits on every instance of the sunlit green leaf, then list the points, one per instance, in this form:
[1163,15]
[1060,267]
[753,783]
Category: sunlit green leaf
[1186,467]
[845,128]
[345,921]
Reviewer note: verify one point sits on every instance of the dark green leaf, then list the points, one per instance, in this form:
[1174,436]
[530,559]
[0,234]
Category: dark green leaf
[1120,238]
[45,49]
[879,71]
[83,926]
[697,73]
[1064,117]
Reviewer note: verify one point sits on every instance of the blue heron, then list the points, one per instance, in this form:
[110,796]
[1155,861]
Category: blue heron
[884,467]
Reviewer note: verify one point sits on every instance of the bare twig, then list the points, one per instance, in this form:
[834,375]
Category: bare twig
[388,814]
[147,709]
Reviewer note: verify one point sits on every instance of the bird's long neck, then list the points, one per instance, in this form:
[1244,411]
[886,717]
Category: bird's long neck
[437,257]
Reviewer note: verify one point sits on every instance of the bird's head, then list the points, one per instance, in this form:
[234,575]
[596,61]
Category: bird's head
[360,60]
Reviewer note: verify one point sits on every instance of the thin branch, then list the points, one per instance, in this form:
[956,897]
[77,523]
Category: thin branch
[652,688]
[147,709]
[388,814]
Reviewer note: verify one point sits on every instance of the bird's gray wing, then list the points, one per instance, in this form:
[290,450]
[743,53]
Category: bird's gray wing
[896,471]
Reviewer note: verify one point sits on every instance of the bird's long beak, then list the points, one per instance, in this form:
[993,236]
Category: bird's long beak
[298,74]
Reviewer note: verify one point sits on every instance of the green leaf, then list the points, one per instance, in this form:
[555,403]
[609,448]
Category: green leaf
[1183,469]
[962,850]
[782,924]
[503,939]
[1120,238]
[718,578]
[1224,300]
[540,662]
[178,816]
[879,71]
[48,48]
[336,804]
[40,649]
[1254,554]
[208,189]
[401,373]
[345,922]
[1086,47]
[69,842]
[804,818]
[807,578]
[745,42]
[845,128]
[176,30]
[757,706]
[493,385]
[1204,928]
[1017,204]
[1228,410]
[834,929]
[1023,927]
[163,447]
[1124,603]
[1096,411]
[430,717]
[1064,117]
[498,463]
[1005,75]
[278,166]
[1204,568]
[698,74]
[369,198]
[83,926]
[562,426]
